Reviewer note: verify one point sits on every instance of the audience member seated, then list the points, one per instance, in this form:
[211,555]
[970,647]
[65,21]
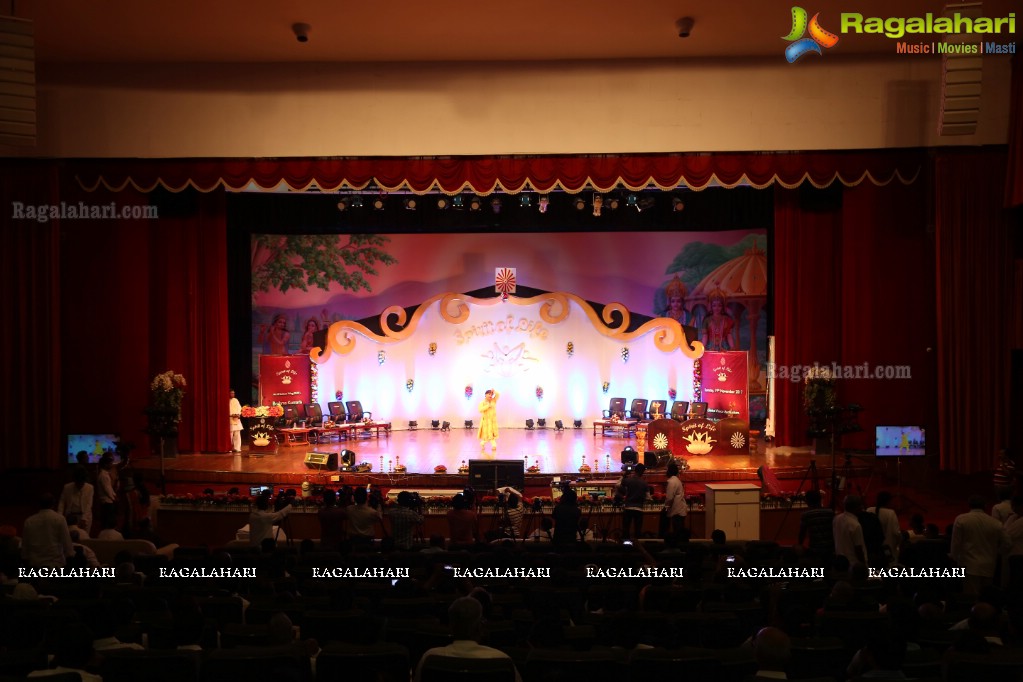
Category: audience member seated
[72,653]
[109,531]
[404,520]
[45,539]
[566,515]
[772,649]
[363,520]
[463,528]
[465,620]
[332,522]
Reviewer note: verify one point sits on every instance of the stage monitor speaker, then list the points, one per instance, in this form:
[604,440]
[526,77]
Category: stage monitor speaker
[629,455]
[321,460]
[650,459]
[490,474]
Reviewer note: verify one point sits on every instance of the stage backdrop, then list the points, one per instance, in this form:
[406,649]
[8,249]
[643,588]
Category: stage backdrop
[724,384]
[304,283]
[550,356]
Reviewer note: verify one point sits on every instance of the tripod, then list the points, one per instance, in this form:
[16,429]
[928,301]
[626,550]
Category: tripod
[906,503]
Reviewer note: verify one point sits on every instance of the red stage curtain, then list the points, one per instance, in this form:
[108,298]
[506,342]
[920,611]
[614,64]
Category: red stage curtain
[29,307]
[141,297]
[853,285]
[510,174]
[974,260]
[1014,173]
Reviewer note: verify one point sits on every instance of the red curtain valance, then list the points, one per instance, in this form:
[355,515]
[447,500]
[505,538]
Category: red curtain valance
[484,175]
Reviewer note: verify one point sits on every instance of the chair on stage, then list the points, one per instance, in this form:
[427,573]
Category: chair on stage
[363,419]
[680,410]
[291,415]
[637,410]
[698,410]
[336,410]
[314,421]
[615,417]
[658,410]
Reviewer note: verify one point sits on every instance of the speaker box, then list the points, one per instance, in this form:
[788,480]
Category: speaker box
[321,460]
[650,459]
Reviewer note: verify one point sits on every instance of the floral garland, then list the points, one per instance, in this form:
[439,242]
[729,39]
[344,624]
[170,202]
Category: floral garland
[468,391]
[263,411]
[314,382]
[697,380]
[409,385]
[672,393]
[605,386]
[539,392]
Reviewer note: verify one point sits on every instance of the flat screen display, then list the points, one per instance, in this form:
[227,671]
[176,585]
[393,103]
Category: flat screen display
[95,445]
[899,441]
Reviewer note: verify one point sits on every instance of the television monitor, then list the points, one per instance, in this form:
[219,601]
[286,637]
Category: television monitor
[899,441]
[94,444]
[490,474]
[257,490]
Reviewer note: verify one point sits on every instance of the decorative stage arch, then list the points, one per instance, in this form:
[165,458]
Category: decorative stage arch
[548,356]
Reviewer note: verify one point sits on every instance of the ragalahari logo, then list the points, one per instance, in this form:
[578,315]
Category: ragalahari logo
[819,37]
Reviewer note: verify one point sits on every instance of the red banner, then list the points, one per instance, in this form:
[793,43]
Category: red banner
[725,384]
[284,379]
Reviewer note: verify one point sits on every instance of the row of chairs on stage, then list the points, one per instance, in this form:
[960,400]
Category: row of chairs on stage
[340,421]
[642,411]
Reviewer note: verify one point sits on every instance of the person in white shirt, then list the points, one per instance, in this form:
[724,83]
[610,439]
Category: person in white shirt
[977,541]
[773,649]
[848,532]
[105,489]
[45,539]
[1003,510]
[675,499]
[889,522]
[465,619]
[234,408]
[262,520]
[76,498]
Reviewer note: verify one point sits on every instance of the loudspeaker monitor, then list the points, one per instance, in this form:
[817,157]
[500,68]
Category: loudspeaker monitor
[321,460]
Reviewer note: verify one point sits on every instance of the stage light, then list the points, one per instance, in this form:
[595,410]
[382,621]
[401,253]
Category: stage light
[342,205]
[580,204]
[577,424]
[468,423]
[645,204]
[356,202]
[677,205]
[413,425]
[443,203]
[529,424]
[458,202]
[475,203]
[544,203]
[559,425]
[446,426]
[525,201]
[631,200]
[541,423]
[598,203]
[435,424]
[495,205]
[378,204]
[410,204]
[612,203]
[346,460]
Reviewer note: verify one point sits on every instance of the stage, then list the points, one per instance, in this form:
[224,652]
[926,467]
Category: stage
[558,454]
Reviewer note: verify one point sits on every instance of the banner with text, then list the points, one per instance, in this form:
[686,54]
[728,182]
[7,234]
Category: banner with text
[725,384]
[284,379]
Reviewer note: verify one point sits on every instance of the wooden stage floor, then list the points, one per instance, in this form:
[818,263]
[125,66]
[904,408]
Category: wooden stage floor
[557,453]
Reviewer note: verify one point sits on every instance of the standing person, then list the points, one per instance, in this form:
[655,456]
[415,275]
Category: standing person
[977,541]
[332,522]
[488,422]
[816,524]
[234,408]
[262,520]
[363,520]
[566,515]
[105,490]
[889,522]
[633,489]
[849,533]
[404,520]
[76,498]
[45,538]
[463,523]
[675,500]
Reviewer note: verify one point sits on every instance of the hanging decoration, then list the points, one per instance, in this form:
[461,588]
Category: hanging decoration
[432,348]
[605,386]
[409,385]
[570,349]
[539,392]
[468,391]
[625,354]
[697,380]
[672,393]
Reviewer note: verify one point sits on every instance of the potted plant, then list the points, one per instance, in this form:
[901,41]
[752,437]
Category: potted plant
[166,393]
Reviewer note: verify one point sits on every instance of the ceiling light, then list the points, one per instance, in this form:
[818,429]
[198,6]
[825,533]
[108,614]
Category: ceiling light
[580,204]
[378,204]
[443,203]
[612,203]
[525,201]
[631,200]
[645,204]
[458,202]
[544,203]
[342,205]
[475,203]
[598,203]
[677,204]
[356,202]
[410,204]
[685,26]
[495,205]
[301,32]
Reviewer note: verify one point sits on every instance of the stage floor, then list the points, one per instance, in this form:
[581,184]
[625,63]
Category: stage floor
[557,453]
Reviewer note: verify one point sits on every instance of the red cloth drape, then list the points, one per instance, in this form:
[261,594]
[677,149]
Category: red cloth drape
[1014,172]
[974,261]
[853,285]
[140,297]
[512,174]
[29,307]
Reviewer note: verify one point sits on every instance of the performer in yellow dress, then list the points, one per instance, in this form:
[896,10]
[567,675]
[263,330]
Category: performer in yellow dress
[904,443]
[488,422]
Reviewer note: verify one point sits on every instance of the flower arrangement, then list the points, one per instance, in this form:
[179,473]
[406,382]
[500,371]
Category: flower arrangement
[463,468]
[697,380]
[468,391]
[535,469]
[819,398]
[409,385]
[263,411]
[432,349]
[570,349]
[339,395]
[166,392]
[539,392]
[363,467]
[672,393]
[440,469]
[605,386]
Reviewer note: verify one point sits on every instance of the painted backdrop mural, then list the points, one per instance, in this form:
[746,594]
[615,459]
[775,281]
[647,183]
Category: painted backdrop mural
[713,281]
